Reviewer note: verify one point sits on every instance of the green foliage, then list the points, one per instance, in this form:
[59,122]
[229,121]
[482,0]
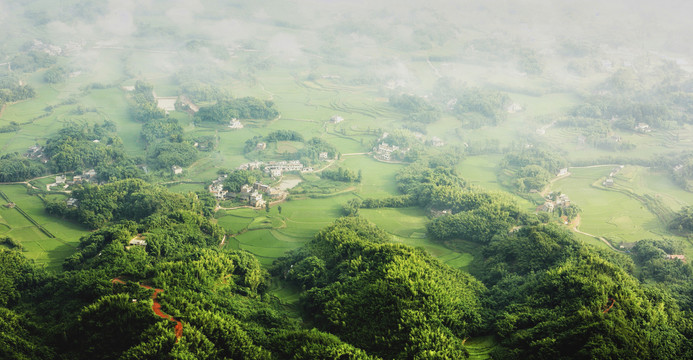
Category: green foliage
[241,108]
[533,168]
[32,60]
[78,147]
[683,221]
[164,155]
[341,174]
[130,199]
[310,153]
[360,288]
[237,178]
[11,91]
[20,338]
[56,74]
[14,167]
[158,129]
[284,135]
[415,108]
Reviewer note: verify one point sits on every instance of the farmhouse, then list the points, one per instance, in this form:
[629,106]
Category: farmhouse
[235,124]
[678,167]
[562,172]
[167,104]
[60,179]
[384,151]
[437,142]
[563,200]
[89,175]
[679,257]
[275,173]
[176,169]
[251,165]
[608,182]
[643,127]
[513,108]
[72,202]
[323,156]
[336,119]
[138,240]
[261,146]
[547,207]
[217,189]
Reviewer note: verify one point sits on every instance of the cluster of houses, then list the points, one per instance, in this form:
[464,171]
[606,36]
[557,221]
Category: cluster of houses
[553,202]
[252,194]
[217,188]
[36,152]
[61,180]
[384,151]
[609,182]
[276,168]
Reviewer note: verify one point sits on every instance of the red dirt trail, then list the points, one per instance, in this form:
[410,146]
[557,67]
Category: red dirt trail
[156,307]
[613,301]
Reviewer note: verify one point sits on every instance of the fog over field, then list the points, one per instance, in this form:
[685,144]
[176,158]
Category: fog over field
[322,179]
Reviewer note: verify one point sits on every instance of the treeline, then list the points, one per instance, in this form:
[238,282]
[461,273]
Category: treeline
[308,154]
[11,90]
[14,167]
[162,135]
[130,199]
[341,174]
[532,168]
[240,108]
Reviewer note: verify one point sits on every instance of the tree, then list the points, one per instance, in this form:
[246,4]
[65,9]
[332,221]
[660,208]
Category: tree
[279,209]
[267,207]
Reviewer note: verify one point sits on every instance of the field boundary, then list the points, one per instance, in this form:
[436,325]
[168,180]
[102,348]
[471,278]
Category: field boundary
[28,217]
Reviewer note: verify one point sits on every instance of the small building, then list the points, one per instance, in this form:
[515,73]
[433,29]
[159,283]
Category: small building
[261,187]
[513,108]
[562,172]
[679,257]
[256,200]
[627,245]
[60,179]
[261,146]
[336,119]
[72,202]
[547,207]
[89,174]
[437,142]
[608,182]
[678,167]
[77,179]
[275,172]
[138,240]
[177,170]
[643,127]
[235,124]
[323,156]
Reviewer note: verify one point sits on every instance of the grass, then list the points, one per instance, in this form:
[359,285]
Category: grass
[37,246]
[618,216]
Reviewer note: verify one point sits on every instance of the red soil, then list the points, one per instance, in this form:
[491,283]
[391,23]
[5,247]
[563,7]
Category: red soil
[156,307]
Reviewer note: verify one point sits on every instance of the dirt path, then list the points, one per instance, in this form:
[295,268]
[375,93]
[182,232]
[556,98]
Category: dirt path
[575,228]
[156,307]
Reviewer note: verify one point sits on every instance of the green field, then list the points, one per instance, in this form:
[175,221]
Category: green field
[619,214]
[36,244]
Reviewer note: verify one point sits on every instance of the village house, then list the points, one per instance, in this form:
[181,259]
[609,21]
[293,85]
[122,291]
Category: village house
[323,156]
[437,142]
[275,172]
[260,146]
[384,151]
[307,169]
[547,207]
[176,169]
[261,187]
[251,165]
[608,182]
[89,175]
[336,119]
[138,240]
[679,257]
[562,172]
[678,167]
[643,127]
[217,189]
[60,179]
[72,202]
[563,200]
[235,124]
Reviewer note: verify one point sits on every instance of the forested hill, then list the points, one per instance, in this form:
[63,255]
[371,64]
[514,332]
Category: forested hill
[537,290]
